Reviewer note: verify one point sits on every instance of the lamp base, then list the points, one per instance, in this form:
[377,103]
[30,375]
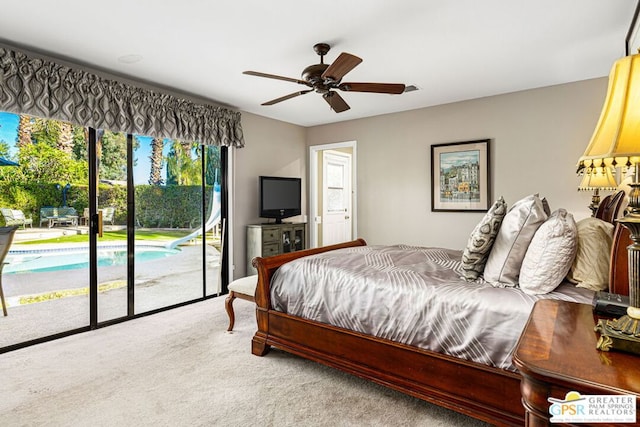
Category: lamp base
[595,202]
[621,334]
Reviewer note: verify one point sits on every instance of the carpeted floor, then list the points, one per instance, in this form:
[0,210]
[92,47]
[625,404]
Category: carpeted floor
[180,368]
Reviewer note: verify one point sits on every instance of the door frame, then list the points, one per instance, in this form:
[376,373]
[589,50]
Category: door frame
[315,152]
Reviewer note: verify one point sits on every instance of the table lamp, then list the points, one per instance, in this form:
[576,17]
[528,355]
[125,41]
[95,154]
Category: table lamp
[616,143]
[595,181]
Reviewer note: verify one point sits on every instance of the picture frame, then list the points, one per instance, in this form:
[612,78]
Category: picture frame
[460,176]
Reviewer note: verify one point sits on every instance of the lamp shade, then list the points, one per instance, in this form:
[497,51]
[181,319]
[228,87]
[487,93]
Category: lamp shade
[616,139]
[598,180]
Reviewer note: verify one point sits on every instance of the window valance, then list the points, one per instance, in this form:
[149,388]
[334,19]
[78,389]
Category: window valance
[37,87]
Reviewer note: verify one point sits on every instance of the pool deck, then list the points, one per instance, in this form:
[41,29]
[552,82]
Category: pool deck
[158,283]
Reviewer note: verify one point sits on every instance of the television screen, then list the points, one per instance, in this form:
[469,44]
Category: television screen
[280,197]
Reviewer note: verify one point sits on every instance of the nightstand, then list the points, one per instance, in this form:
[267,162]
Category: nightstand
[557,354]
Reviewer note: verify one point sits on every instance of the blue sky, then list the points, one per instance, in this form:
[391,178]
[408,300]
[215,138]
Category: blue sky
[9,129]
[9,134]
[448,160]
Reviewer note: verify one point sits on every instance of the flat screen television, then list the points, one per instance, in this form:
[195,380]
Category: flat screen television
[280,197]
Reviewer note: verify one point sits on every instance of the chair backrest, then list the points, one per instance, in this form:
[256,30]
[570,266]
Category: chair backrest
[7,213]
[17,214]
[6,237]
[107,213]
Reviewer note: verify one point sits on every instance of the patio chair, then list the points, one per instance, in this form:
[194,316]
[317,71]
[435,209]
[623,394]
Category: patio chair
[16,217]
[108,215]
[6,237]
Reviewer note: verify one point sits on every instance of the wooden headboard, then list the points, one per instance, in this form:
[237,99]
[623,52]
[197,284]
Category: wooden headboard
[609,210]
[619,268]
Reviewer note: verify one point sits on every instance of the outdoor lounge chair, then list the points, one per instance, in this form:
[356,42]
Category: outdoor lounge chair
[16,217]
[6,237]
[108,215]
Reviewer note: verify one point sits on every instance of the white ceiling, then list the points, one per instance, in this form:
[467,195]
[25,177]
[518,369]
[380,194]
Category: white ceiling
[451,50]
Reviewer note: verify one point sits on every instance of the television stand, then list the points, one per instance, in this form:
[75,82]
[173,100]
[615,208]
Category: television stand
[274,239]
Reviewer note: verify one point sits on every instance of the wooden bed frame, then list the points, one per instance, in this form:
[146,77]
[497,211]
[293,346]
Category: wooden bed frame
[483,392]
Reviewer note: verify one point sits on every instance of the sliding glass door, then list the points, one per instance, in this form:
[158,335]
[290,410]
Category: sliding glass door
[121,225]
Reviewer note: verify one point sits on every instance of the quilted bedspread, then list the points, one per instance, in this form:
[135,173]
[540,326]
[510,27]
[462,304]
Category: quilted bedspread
[412,295]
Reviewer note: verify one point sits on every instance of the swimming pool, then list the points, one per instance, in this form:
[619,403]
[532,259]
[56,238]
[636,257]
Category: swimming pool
[47,260]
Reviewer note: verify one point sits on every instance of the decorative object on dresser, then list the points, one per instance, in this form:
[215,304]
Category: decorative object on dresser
[460,176]
[616,143]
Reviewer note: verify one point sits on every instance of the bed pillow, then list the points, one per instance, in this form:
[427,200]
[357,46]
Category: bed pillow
[475,254]
[517,229]
[590,269]
[550,254]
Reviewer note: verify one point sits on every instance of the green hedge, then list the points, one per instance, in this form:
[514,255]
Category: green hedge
[156,206]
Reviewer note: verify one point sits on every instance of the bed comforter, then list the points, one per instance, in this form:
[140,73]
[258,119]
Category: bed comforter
[412,295]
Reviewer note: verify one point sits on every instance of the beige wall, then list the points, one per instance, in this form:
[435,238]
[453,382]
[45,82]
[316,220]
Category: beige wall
[536,139]
[271,148]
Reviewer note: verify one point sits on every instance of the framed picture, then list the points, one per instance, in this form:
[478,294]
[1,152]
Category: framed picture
[460,176]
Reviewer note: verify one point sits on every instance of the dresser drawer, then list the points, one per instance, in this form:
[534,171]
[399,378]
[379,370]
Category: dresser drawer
[271,234]
[270,249]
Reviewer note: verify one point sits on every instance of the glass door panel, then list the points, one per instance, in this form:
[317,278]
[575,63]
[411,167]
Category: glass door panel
[168,234]
[214,224]
[46,278]
[111,216]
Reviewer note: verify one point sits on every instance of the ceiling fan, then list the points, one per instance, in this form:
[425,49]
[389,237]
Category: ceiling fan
[326,78]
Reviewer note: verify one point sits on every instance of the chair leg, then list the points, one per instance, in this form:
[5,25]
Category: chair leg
[4,305]
[228,305]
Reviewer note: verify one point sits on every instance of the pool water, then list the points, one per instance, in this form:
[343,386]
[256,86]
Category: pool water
[71,259]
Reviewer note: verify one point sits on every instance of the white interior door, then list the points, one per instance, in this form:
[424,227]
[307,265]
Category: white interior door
[336,197]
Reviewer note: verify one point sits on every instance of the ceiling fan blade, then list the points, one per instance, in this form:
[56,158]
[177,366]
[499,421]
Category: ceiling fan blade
[392,88]
[336,102]
[341,66]
[273,76]
[284,98]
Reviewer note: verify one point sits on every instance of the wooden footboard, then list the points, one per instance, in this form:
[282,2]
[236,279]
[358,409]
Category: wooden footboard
[486,393]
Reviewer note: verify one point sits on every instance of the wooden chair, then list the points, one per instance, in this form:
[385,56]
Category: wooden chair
[245,289]
[6,237]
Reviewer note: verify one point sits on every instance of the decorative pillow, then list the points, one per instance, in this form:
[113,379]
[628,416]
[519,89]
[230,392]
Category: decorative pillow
[590,269]
[550,254]
[475,254]
[517,229]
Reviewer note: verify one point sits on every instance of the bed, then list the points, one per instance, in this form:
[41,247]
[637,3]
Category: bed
[485,389]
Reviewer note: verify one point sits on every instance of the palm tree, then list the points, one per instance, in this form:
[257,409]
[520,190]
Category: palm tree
[155,176]
[25,128]
[65,140]
[182,169]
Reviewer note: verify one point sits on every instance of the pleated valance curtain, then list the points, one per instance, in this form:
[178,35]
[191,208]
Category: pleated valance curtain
[37,87]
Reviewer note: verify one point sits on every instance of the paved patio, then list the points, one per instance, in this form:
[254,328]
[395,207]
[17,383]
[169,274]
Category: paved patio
[159,283]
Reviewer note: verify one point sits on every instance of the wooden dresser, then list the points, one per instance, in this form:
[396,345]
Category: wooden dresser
[266,240]
[557,354]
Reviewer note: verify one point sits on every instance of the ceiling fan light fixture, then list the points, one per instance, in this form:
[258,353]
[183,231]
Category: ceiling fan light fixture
[323,78]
